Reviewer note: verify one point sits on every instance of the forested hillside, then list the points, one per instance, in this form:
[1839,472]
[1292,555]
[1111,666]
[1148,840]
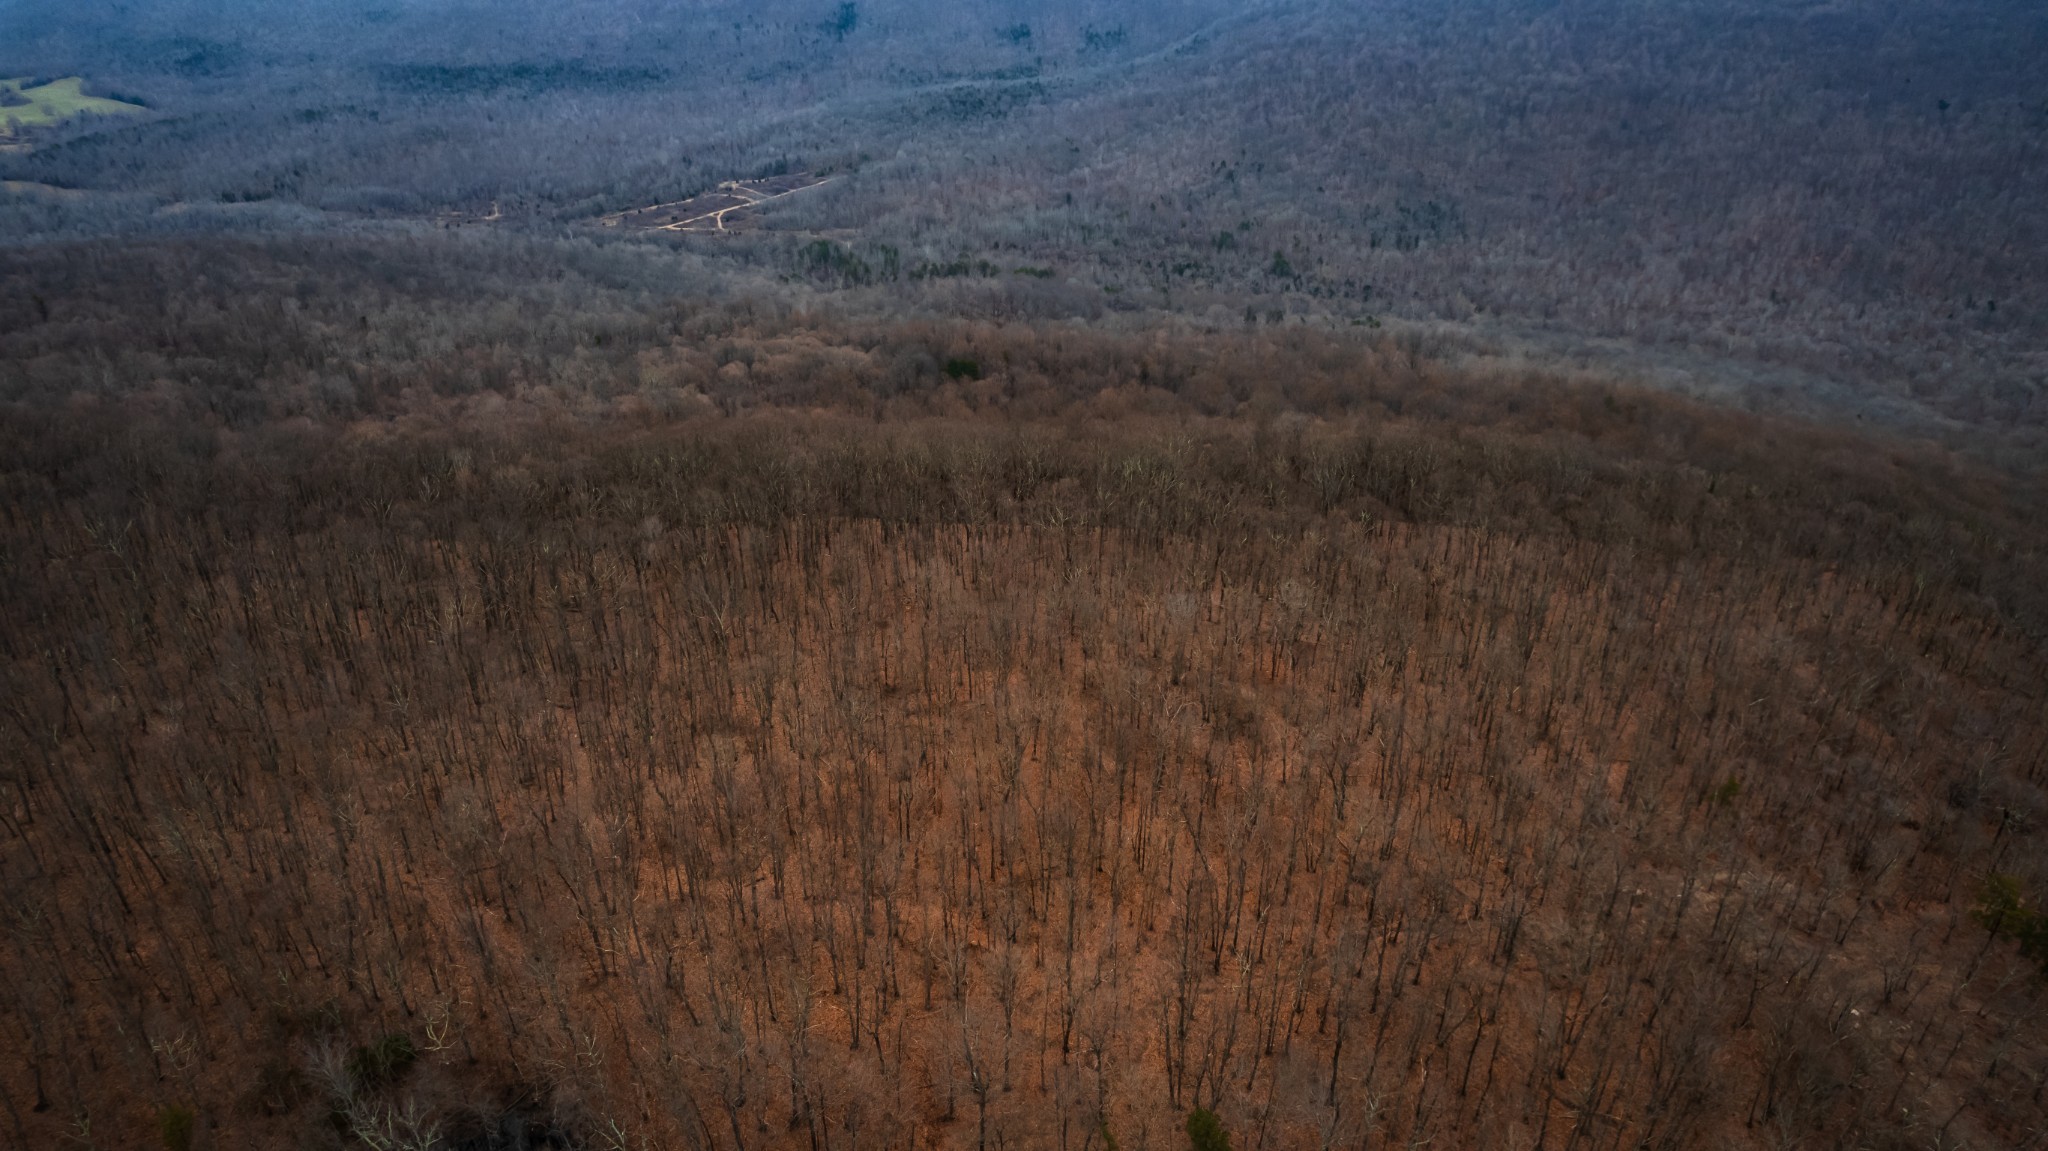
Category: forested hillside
[622,575]
[572,715]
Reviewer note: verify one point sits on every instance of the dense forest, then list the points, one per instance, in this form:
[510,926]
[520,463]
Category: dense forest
[1277,575]
[573,713]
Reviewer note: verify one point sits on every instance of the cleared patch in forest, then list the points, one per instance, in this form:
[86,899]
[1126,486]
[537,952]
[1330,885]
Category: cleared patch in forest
[24,108]
[714,211]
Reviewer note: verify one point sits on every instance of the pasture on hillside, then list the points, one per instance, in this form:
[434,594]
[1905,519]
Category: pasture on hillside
[51,104]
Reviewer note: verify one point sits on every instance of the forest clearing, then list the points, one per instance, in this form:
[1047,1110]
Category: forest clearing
[24,108]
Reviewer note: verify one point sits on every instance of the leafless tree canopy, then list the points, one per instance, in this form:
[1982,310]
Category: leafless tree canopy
[843,575]
[707,724]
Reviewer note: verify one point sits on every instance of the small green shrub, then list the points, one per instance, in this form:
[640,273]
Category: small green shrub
[2033,937]
[1205,1131]
[963,369]
[2002,910]
[174,1125]
[384,1062]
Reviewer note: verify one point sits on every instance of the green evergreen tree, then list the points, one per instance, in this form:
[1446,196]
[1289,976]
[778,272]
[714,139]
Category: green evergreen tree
[1205,1132]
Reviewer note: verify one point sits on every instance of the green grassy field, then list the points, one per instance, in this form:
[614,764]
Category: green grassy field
[54,103]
